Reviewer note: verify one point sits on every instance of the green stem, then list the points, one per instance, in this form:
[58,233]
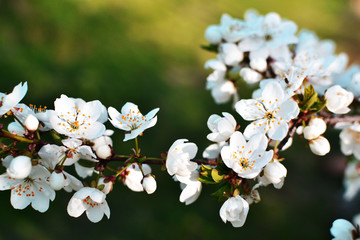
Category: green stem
[136,146]
[38,135]
[122,170]
[141,169]
[6,134]
[276,145]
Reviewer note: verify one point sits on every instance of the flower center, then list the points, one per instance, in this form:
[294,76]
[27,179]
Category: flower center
[268,37]
[269,115]
[75,125]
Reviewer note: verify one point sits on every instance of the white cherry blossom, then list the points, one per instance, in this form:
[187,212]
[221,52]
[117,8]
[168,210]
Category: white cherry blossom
[338,99]
[131,120]
[351,180]
[191,187]
[149,184]
[19,167]
[246,158]
[134,176]
[270,113]
[78,119]
[179,156]
[221,127]
[8,101]
[314,129]
[234,210]
[350,140]
[34,189]
[275,173]
[213,150]
[89,200]
[342,229]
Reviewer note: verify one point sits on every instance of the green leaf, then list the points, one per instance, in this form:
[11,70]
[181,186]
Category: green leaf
[210,47]
[318,106]
[216,176]
[205,179]
[222,193]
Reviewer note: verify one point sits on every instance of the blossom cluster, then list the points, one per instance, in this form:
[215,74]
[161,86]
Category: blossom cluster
[302,87]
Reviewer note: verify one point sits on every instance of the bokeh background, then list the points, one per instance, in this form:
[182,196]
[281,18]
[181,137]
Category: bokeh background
[148,53]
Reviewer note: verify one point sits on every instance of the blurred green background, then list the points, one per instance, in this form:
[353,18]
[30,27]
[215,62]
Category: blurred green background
[148,53]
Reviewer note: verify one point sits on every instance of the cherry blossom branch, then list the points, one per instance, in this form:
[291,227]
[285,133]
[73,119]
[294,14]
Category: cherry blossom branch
[333,120]
[6,134]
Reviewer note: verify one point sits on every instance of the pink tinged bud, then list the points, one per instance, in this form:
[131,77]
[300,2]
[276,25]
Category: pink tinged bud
[320,146]
[107,185]
[20,167]
[213,34]
[57,180]
[31,123]
[149,184]
[103,152]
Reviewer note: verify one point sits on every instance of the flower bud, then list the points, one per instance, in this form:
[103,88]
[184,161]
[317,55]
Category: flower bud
[320,146]
[338,99]
[234,210]
[103,151]
[275,172]
[213,34]
[57,180]
[316,127]
[20,167]
[149,184]
[230,54]
[250,76]
[31,123]
[258,64]
[107,185]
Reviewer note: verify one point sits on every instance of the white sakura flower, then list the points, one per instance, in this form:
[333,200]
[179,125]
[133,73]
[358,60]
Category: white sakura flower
[78,119]
[8,101]
[49,158]
[130,119]
[19,167]
[149,184]
[39,119]
[178,158]
[351,180]
[342,229]
[222,91]
[234,210]
[246,158]
[338,99]
[213,34]
[275,173]
[34,189]
[133,176]
[191,187]
[213,150]
[350,140]
[221,127]
[270,113]
[230,54]
[103,140]
[258,64]
[57,180]
[319,146]
[250,76]
[16,128]
[92,201]
[314,129]
[231,28]
[272,38]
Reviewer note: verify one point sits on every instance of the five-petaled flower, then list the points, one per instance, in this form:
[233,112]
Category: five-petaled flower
[270,113]
[91,200]
[131,120]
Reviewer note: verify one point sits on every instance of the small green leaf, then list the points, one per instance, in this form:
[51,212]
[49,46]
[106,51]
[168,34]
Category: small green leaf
[222,193]
[216,176]
[101,187]
[210,47]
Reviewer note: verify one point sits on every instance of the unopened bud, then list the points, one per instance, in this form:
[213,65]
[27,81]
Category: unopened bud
[20,167]
[316,127]
[149,184]
[31,123]
[320,146]
[258,64]
[57,180]
[213,34]
[107,185]
[250,76]
[103,151]
[275,172]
